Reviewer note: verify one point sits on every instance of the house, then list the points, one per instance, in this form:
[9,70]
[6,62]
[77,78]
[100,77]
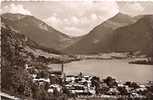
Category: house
[70,78]
[50,90]
[42,80]
[56,86]
[34,76]
[113,91]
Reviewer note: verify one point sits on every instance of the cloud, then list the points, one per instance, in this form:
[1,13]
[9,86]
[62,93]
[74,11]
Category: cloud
[12,8]
[78,18]
[94,17]
[136,8]
[53,20]
[77,31]
[132,8]
[75,20]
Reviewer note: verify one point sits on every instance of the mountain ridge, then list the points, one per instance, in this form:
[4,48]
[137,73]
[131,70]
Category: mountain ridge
[101,39]
[108,36]
[35,28]
[100,33]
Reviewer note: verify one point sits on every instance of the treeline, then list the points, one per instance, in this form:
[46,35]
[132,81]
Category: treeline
[16,79]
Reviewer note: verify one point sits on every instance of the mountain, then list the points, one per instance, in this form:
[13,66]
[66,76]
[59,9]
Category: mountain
[132,37]
[135,37]
[100,37]
[36,30]
[23,41]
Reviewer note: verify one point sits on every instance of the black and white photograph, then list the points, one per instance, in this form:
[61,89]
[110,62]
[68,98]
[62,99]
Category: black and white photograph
[76,50]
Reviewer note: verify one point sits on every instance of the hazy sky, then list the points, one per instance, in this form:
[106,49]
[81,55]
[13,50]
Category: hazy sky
[76,18]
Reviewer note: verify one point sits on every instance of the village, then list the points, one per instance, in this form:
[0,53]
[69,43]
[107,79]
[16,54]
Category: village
[57,83]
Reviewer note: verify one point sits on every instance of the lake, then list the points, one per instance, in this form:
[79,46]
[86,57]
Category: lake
[119,69]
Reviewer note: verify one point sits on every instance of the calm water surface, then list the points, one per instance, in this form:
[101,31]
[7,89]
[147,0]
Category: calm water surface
[119,69]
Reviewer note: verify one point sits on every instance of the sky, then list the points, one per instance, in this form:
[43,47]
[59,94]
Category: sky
[76,18]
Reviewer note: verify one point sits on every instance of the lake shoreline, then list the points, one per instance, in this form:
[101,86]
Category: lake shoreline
[114,67]
[131,60]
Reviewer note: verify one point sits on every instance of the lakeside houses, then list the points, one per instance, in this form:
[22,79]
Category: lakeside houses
[79,84]
[56,82]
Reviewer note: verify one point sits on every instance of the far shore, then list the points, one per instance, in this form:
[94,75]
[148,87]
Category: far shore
[133,60]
